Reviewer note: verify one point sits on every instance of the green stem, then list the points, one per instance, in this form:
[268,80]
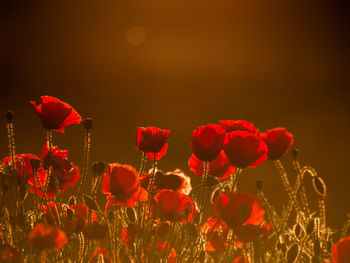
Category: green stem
[204,181]
[235,180]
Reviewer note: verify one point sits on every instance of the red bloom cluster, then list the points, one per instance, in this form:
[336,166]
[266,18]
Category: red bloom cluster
[61,168]
[223,148]
[241,144]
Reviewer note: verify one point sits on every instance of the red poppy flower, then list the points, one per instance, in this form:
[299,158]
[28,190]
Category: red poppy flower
[9,254]
[216,231]
[22,164]
[176,180]
[220,167]
[245,149]
[341,251]
[47,237]
[170,205]
[152,141]
[61,167]
[238,209]
[207,142]
[278,141]
[238,125]
[55,114]
[98,251]
[122,181]
[129,235]
[172,257]
[41,174]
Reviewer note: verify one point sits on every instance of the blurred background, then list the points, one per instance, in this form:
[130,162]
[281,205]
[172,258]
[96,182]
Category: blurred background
[181,64]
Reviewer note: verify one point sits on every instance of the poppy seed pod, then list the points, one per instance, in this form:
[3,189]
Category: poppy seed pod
[9,116]
[35,163]
[88,123]
[259,185]
[99,167]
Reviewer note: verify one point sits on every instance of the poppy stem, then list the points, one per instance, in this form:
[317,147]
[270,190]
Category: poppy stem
[36,196]
[12,147]
[142,206]
[151,182]
[48,172]
[204,182]
[87,146]
[234,179]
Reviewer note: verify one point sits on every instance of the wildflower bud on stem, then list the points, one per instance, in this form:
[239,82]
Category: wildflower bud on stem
[9,116]
[88,123]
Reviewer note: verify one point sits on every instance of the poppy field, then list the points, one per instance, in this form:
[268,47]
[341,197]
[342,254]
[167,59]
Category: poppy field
[150,215]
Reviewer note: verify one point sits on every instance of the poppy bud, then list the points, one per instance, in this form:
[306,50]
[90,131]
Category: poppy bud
[295,152]
[131,213]
[99,167]
[88,123]
[292,253]
[298,230]
[35,163]
[259,185]
[310,227]
[9,116]
[72,200]
[319,186]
